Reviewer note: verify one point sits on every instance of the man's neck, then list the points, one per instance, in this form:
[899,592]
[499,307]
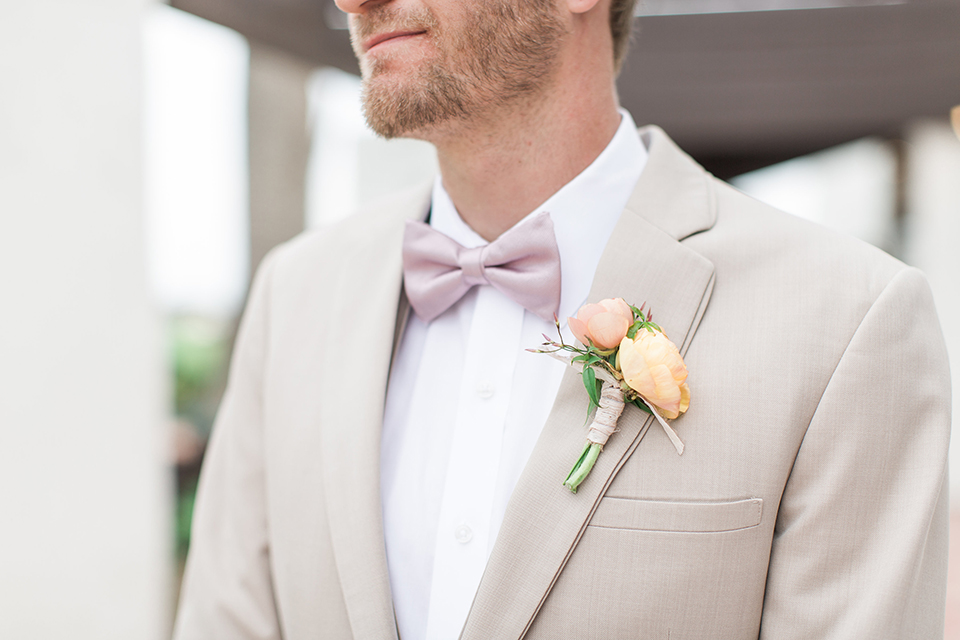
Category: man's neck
[499,170]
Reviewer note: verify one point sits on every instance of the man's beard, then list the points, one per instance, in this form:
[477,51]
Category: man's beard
[496,55]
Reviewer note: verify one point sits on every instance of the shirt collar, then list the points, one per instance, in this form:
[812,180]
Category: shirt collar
[584,212]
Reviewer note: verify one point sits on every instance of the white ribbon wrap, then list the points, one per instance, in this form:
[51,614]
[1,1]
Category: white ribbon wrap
[671,434]
[602,426]
[605,420]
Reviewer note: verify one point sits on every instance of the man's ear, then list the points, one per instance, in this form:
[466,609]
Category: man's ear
[581,6]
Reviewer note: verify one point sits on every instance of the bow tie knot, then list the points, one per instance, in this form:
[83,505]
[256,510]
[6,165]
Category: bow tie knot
[471,266]
[523,263]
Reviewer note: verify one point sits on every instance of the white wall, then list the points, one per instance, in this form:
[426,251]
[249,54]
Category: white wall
[84,528]
[195,172]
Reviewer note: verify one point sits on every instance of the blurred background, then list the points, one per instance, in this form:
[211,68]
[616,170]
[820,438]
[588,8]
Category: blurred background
[151,154]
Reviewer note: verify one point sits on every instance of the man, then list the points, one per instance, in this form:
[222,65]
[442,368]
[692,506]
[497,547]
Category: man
[376,472]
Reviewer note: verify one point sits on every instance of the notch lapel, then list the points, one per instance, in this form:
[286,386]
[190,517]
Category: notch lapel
[643,262]
[350,404]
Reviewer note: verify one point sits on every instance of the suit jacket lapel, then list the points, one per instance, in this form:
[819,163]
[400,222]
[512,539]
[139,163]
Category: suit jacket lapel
[350,406]
[643,262]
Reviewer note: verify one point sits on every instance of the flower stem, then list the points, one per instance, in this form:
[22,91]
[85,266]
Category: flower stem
[583,467]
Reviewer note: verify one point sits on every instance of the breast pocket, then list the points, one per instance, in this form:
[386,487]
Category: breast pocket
[684,570]
[679,516]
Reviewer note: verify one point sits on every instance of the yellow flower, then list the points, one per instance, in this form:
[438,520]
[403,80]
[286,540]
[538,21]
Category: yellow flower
[653,367]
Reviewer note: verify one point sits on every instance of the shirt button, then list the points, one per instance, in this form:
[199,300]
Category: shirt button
[463,534]
[486,389]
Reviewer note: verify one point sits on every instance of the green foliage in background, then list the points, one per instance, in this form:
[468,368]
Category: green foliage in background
[200,352]
[184,517]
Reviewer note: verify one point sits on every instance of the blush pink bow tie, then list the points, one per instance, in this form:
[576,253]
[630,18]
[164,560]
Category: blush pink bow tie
[523,263]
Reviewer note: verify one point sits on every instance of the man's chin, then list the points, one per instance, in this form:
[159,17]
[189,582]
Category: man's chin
[410,107]
[389,122]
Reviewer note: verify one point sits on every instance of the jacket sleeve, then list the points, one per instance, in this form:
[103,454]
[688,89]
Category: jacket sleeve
[860,545]
[227,590]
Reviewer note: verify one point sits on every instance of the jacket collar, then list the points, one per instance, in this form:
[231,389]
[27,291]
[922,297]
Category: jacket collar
[350,400]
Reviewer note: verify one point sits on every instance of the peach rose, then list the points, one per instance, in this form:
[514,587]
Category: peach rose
[604,324]
[652,366]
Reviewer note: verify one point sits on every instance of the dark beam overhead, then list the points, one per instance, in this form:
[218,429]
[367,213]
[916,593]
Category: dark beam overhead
[737,89]
[686,7]
[300,27]
[793,81]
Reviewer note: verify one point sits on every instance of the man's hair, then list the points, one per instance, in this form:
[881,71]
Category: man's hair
[621,25]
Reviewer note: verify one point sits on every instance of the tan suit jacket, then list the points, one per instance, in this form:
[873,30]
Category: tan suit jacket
[810,501]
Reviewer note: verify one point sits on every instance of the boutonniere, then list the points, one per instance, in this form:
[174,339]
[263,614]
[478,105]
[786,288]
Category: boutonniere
[625,358]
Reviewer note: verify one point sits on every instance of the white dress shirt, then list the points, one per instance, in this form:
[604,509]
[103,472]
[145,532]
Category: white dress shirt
[465,403]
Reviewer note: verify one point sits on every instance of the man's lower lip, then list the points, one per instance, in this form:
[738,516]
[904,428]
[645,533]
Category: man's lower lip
[394,40]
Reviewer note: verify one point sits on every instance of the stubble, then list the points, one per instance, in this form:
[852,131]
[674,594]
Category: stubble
[498,54]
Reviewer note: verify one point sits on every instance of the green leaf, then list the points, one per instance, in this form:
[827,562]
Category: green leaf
[641,405]
[590,384]
[590,408]
[632,331]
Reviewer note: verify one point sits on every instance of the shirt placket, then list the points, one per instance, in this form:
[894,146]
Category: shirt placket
[463,540]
